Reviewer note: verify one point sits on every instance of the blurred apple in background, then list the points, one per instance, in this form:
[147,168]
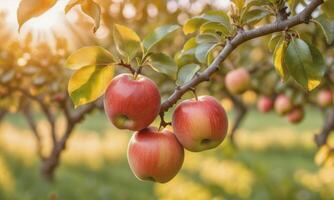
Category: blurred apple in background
[283,104]
[265,104]
[296,115]
[238,81]
[325,98]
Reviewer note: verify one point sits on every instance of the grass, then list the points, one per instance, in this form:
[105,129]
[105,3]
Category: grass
[270,155]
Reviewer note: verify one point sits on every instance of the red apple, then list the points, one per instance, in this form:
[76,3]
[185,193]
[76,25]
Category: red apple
[237,81]
[200,124]
[155,156]
[283,104]
[296,115]
[265,104]
[59,97]
[132,103]
[325,98]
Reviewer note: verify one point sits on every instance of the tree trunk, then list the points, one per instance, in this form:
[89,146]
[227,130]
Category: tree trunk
[49,165]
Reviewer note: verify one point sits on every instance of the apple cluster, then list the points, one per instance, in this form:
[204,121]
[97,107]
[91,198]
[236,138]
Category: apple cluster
[157,155]
[239,80]
[284,106]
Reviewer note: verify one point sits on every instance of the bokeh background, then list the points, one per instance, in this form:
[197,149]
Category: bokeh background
[271,159]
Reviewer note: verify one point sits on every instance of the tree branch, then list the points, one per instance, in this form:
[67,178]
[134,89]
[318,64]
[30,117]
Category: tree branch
[241,37]
[241,111]
[328,127]
[33,126]
[50,117]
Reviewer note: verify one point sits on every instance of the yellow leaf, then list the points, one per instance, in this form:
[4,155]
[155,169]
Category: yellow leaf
[89,83]
[279,60]
[93,10]
[312,84]
[93,55]
[89,7]
[32,8]
[71,4]
[322,155]
[127,41]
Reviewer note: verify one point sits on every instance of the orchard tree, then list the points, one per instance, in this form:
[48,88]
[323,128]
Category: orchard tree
[225,48]
[32,78]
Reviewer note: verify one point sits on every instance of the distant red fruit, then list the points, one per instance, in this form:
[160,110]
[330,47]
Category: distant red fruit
[325,98]
[283,104]
[296,115]
[265,104]
[237,81]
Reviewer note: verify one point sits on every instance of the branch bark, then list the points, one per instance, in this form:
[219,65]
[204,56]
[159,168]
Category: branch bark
[321,138]
[241,37]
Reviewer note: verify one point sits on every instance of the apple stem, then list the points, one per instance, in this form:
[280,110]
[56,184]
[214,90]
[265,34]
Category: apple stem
[193,90]
[138,72]
[163,123]
[128,66]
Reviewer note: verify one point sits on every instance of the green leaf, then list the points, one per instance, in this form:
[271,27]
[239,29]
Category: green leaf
[193,24]
[126,40]
[157,35]
[278,56]
[254,16]
[164,64]
[327,28]
[185,57]
[319,65]
[32,8]
[89,83]
[213,27]
[206,38]
[186,73]
[190,44]
[93,55]
[304,65]
[93,10]
[202,51]
[216,16]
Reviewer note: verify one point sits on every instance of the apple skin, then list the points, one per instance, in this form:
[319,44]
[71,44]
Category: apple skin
[265,104]
[325,98]
[155,156]
[296,115]
[237,81]
[283,104]
[132,104]
[200,124]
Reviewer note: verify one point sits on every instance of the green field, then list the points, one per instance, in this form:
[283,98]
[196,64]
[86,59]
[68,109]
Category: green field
[271,162]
